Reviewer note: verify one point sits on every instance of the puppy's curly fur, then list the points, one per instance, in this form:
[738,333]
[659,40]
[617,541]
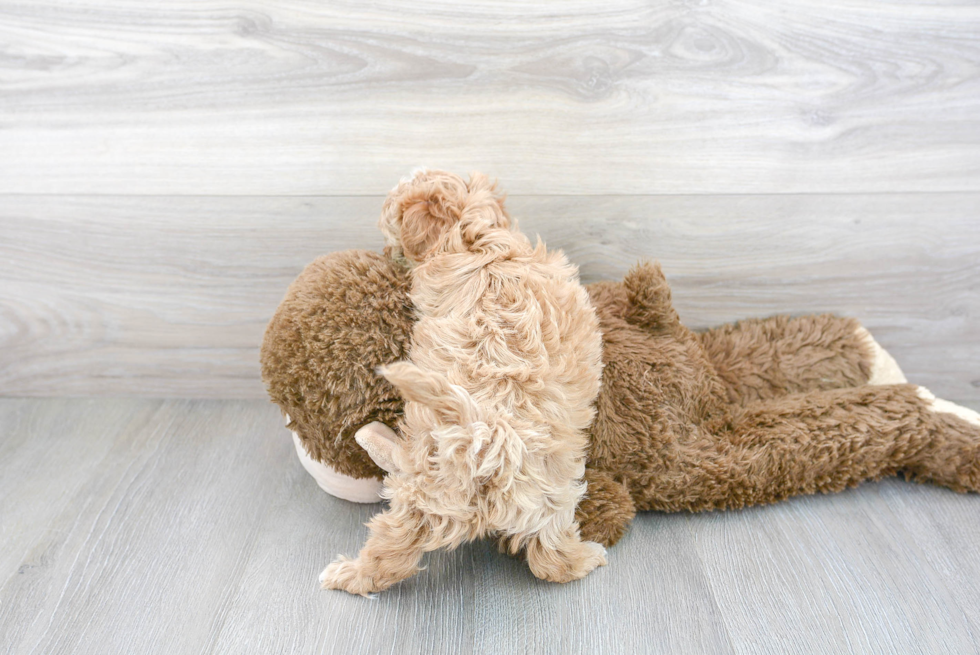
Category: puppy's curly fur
[505,368]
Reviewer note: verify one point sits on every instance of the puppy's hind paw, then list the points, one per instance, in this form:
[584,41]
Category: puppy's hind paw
[571,562]
[598,549]
[587,557]
[598,554]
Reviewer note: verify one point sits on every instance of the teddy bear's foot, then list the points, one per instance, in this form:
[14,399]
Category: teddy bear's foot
[347,575]
[946,407]
[606,510]
[884,368]
[954,459]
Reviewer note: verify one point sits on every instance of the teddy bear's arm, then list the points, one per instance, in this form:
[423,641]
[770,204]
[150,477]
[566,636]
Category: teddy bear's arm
[760,359]
[606,510]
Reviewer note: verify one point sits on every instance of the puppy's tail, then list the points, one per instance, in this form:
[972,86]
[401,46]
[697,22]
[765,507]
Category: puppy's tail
[451,403]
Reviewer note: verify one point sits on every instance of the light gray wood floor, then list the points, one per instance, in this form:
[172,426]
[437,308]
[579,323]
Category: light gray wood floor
[145,526]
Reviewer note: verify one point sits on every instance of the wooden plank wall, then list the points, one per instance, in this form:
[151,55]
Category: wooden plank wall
[168,168]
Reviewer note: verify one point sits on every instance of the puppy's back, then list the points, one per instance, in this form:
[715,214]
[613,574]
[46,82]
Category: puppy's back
[518,333]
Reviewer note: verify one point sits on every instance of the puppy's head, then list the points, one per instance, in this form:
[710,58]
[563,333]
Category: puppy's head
[438,211]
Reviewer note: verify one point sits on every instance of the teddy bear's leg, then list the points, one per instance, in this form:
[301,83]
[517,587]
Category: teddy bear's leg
[606,510]
[762,359]
[399,537]
[827,441]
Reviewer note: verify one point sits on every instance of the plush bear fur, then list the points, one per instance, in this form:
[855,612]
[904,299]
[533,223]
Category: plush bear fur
[344,316]
[743,414]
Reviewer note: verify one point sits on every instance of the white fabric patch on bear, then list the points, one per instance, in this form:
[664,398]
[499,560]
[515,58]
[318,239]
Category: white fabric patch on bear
[884,368]
[946,407]
[363,490]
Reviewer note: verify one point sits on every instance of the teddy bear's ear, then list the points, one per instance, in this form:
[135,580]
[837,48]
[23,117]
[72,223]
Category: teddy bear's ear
[451,403]
[649,297]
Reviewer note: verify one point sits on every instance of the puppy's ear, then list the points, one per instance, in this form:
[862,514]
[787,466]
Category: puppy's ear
[423,224]
[381,444]
[451,403]
[418,212]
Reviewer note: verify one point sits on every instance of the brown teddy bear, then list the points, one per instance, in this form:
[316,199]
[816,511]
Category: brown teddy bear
[743,414]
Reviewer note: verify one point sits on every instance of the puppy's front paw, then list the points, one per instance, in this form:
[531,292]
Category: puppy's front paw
[345,573]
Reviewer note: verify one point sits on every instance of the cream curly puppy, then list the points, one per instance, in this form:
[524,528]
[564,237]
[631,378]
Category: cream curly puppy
[505,367]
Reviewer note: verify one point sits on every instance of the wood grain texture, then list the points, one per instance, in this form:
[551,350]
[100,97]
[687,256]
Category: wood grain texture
[169,296]
[142,526]
[305,97]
